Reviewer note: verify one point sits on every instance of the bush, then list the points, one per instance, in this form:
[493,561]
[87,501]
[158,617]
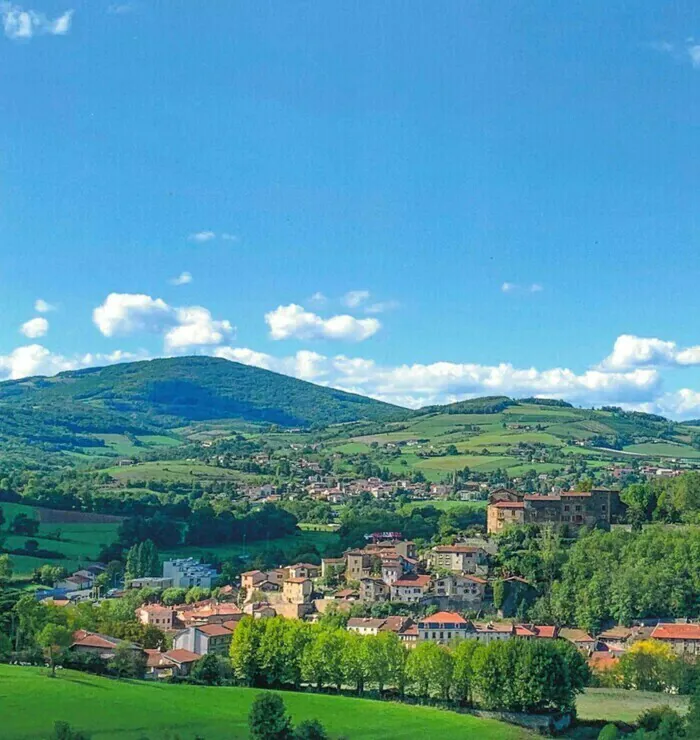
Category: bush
[656,717]
[609,732]
[310,729]
[268,719]
[63,731]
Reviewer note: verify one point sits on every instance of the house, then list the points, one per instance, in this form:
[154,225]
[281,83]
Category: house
[181,661]
[461,588]
[160,665]
[616,638]
[365,626]
[601,661]
[410,589]
[188,572]
[504,514]
[157,615]
[373,589]
[303,570]
[396,624]
[75,583]
[204,639]
[332,567]
[158,584]
[298,590]
[457,558]
[392,569]
[103,646]
[684,639]
[346,594]
[580,638]
[358,565]
[409,635]
[487,632]
[443,627]
[210,613]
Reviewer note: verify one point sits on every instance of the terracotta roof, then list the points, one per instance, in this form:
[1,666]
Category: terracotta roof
[493,627]
[252,573]
[509,505]
[455,548]
[575,635]
[366,622]
[396,624]
[410,631]
[616,633]
[182,656]
[345,592]
[304,565]
[297,580]
[603,660]
[671,631]
[93,639]
[476,579]
[155,659]
[444,618]
[412,581]
[545,630]
[522,631]
[214,630]
[154,608]
[231,624]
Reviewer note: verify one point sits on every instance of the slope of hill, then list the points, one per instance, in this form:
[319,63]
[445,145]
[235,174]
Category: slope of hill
[129,710]
[142,397]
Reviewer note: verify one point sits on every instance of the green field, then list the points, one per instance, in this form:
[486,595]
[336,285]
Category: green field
[622,705]
[445,505]
[79,542]
[172,470]
[289,545]
[131,710]
[664,449]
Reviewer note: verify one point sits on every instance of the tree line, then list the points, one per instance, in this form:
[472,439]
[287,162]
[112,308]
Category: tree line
[513,675]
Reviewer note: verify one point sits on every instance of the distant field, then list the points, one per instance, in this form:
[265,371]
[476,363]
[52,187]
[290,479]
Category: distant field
[80,542]
[171,470]
[132,710]
[623,705]
[445,505]
[291,544]
[664,449]
[120,445]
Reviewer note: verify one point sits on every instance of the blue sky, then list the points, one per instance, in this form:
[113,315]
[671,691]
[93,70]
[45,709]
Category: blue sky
[418,201]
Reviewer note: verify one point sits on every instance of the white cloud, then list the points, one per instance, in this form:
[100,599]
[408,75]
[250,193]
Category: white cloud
[35,328]
[318,298]
[181,327]
[517,288]
[196,328]
[293,321]
[381,306]
[19,23]
[353,298]
[630,351]
[126,313]
[202,236]
[42,306]
[694,54]
[184,278]
[34,359]
[121,8]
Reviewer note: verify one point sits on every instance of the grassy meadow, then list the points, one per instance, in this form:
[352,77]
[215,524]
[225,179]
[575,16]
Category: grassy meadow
[31,702]
[622,705]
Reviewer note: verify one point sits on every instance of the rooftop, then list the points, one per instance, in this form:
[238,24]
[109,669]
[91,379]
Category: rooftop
[672,631]
[444,618]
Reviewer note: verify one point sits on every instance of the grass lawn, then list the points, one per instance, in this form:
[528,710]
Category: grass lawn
[623,705]
[130,710]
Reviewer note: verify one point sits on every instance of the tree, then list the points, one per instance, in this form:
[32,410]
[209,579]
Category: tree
[5,570]
[646,666]
[355,660]
[609,732]
[395,658]
[24,525]
[54,638]
[127,662]
[463,672]
[207,670]
[310,729]
[244,650]
[268,719]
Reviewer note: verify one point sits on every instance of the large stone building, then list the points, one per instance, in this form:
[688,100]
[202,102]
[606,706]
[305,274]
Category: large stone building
[596,508]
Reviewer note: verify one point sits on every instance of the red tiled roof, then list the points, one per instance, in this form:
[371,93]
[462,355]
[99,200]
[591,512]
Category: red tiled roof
[443,618]
[575,635]
[214,630]
[603,660]
[182,656]
[230,624]
[297,580]
[420,581]
[493,627]
[455,548]
[545,630]
[671,631]
[92,639]
[367,622]
[509,505]
[522,631]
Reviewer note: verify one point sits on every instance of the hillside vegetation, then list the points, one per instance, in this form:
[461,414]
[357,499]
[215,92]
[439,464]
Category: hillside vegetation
[125,710]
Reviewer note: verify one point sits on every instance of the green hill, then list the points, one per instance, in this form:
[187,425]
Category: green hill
[129,710]
[145,397]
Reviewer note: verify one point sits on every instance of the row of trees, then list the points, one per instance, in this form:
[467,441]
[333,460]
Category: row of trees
[518,675]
